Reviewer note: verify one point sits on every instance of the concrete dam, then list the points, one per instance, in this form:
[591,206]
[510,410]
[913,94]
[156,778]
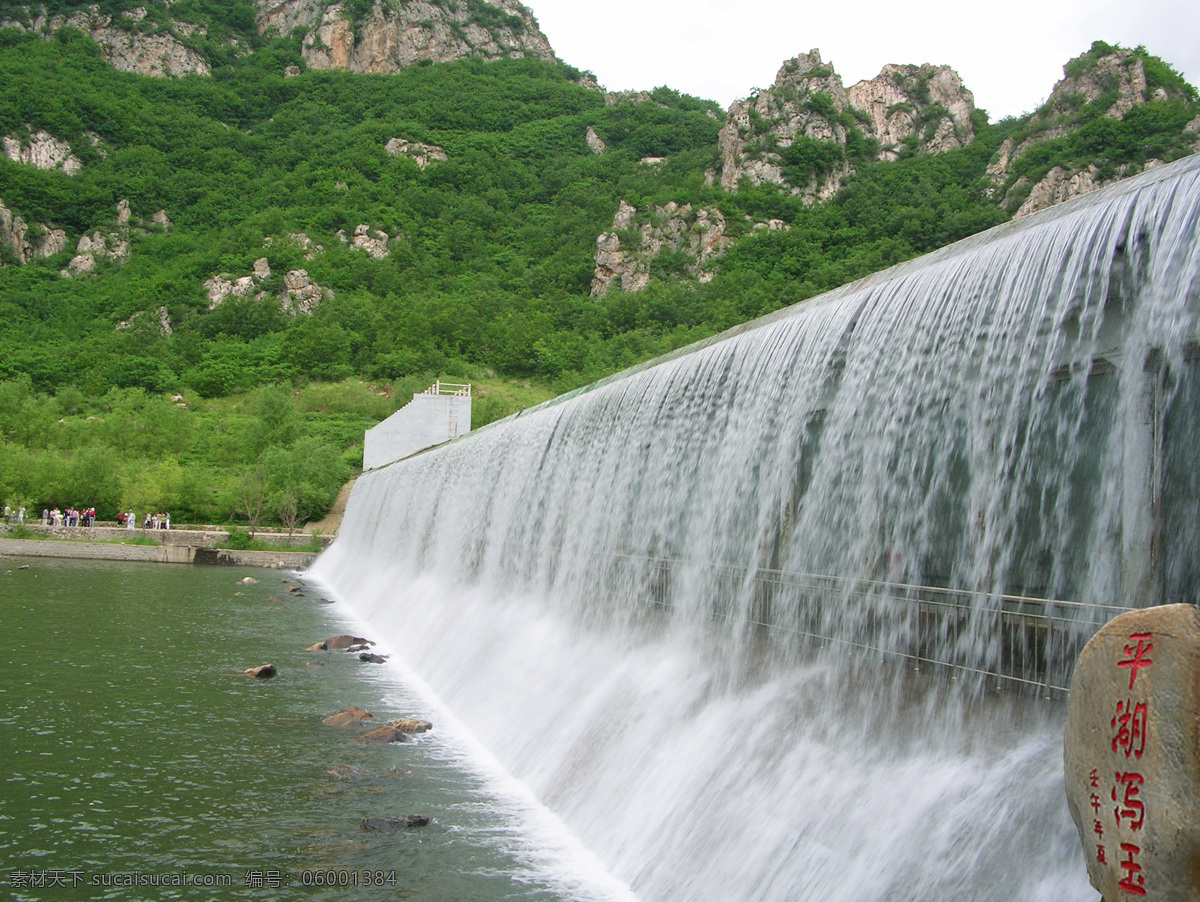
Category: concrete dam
[790,613]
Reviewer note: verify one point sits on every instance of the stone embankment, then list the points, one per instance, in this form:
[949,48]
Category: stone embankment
[177,547]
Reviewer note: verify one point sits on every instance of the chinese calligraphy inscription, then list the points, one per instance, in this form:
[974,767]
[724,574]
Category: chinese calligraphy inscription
[1132,755]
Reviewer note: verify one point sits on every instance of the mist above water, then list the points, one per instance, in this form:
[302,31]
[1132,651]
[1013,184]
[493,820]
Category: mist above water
[696,607]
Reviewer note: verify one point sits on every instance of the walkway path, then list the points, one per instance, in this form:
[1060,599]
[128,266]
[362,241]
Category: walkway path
[333,520]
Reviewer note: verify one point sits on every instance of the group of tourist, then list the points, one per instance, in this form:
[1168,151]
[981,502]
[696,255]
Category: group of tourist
[85,517]
[70,517]
[153,521]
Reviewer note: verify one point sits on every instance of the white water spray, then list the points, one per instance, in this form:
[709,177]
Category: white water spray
[696,607]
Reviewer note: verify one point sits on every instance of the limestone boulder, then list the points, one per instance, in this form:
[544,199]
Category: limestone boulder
[1131,755]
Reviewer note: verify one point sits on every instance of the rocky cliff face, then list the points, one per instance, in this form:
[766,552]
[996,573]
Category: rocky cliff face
[925,109]
[298,295]
[400,33]
[808,100]
[393,35]
[42,151]
[127,41]
[692,239]
[25,242]
[1119,81]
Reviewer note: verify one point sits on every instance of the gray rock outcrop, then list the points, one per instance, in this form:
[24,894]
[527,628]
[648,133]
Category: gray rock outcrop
[397,35]
[299,295]
[311,248]
[42,151]
[127,42]
[158,320]
[1131,755]
[697,235]
[221,287]
[112,245]
[373,242]
[925,105]
[806,101]
[594,142]
[1119,76]
[924,109]
[29,242]
[421,154]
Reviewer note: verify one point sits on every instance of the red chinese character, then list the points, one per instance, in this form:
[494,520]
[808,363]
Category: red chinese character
[1133,807]
[1100,859]
[1130,726]
[1137,655]
[1095,803]
[1094,778]
[1098,829]
[1133,881]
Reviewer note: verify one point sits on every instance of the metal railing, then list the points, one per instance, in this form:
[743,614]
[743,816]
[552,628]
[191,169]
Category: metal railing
[453,389]
[1025,640]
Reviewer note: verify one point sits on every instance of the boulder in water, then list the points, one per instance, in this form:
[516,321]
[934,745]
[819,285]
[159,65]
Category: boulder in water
[387,733]
[345,641]
[408,725]
[262,672]
[396,823]
[346,717]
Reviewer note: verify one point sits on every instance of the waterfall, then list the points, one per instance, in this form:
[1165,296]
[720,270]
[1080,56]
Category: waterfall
[788,614]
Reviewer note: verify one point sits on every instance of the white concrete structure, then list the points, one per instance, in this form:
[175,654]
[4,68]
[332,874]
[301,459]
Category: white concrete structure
[440,413]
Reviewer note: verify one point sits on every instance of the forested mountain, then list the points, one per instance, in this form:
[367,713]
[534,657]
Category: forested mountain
[211,211]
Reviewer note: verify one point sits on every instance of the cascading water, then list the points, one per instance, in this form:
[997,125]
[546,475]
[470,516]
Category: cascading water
[739,616]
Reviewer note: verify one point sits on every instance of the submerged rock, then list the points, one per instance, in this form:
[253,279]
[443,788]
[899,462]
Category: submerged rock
[407,725]
[396,823]
[262,672]
[345,641]
[346,717]
[369,658]
[387,733]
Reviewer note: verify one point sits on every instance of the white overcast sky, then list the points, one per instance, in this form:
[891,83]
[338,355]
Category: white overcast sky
[1009,54]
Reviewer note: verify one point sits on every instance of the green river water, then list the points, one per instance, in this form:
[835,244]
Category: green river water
[138,762]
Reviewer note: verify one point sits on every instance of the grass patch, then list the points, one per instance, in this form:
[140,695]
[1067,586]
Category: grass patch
[21,531]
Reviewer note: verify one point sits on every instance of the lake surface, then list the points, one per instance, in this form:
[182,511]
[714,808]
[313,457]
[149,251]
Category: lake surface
[139,762]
